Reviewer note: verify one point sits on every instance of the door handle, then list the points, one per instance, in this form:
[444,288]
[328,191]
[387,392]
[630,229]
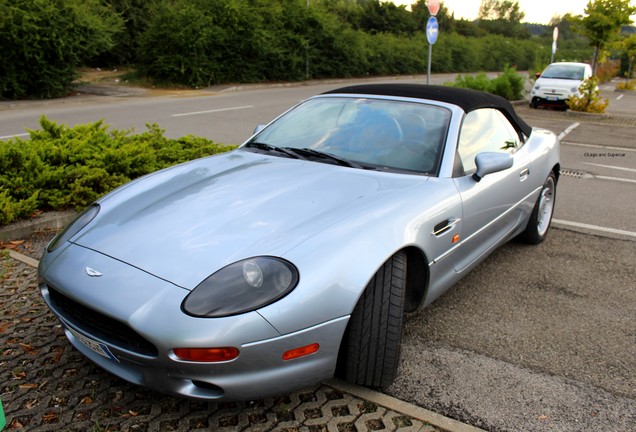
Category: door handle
[523,175]
[445,226]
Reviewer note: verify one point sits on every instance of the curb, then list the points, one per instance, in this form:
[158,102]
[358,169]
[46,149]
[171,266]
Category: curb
[222,88]
[24,259]
[402,407]
[110,90]
[46,221]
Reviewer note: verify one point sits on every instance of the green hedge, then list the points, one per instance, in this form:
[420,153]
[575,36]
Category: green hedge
[509,85]
[44,41]
[198,43]
[63,167]
[203,42]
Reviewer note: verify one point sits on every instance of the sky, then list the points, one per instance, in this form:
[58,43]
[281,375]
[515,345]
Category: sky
[537,11]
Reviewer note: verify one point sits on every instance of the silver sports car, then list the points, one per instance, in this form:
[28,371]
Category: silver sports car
[295,256]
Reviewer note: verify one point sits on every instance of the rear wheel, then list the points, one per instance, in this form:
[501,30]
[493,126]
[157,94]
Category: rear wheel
[541,216]
[370,351]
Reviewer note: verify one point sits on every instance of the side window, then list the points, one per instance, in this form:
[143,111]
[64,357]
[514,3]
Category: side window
[485,130]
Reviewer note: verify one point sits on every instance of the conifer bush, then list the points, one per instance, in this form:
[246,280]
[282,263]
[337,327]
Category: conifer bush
[69,167]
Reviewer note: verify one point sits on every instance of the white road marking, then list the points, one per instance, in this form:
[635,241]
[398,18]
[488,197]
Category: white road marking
[610,166]
[212,111]
[568,130]
[14,136]
[599,146]
[615,179]
[594,227]
[620,97]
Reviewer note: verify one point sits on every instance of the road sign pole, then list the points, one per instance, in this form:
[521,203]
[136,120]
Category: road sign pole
[428,71]
[432,30]
[555,36]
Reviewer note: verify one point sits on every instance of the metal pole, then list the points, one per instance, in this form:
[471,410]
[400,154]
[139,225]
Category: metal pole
[307,50]
[428,73]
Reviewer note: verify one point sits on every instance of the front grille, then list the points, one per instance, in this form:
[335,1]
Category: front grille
[99,325]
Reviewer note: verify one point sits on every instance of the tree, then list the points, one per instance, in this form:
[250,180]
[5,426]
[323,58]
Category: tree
[564,23]
[44,41]
[602,23]
[374,16]
[628,46]
[136,16]
[506,10]
[420,12]
[502,17]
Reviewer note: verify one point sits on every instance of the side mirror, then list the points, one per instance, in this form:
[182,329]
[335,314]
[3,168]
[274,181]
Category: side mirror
[258,128]
[537,75]
[491,162]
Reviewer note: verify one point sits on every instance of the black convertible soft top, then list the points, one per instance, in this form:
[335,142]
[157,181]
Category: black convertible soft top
[468,100]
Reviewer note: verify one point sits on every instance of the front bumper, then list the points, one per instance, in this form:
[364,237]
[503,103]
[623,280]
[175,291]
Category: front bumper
[147,309]
[550,97]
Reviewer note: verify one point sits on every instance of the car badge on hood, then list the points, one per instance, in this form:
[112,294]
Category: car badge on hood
[92,272]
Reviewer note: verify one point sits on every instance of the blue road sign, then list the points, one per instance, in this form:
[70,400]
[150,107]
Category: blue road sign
[432,30]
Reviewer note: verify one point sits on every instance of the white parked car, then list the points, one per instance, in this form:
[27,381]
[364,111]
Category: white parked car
[559,82]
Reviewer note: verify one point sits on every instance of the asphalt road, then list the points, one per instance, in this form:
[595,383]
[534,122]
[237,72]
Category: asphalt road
[229,115]
[226,114]
[536,338]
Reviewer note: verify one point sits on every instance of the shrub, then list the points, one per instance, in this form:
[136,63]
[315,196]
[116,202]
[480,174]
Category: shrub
[203,42]
[626,85]
[43,41]
[479,82]
[589,101]
[607,70]
[135,15]
[508,85]
[63,167]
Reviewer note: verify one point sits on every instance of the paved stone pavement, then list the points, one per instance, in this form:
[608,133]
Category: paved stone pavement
[46,385]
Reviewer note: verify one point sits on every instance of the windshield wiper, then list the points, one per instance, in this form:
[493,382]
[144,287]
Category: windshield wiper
[269,147]
[324,155]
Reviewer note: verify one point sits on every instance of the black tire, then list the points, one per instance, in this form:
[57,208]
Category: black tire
[541,217]
[370,351]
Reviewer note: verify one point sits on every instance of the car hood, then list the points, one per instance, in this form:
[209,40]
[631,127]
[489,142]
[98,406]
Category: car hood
[557,84]
[183,224]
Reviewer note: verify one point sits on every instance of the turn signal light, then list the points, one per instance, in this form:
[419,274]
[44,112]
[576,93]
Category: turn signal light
[207,355]
[300,352]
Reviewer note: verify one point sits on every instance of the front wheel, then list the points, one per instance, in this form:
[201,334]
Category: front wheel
[370,350]
[541,216]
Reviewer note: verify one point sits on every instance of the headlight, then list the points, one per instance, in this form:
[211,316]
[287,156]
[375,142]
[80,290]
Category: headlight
[537,87]
[574,89]
[74,227]
[242,287]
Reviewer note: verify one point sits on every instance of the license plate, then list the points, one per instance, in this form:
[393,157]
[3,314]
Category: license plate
[552,98]
[93,345]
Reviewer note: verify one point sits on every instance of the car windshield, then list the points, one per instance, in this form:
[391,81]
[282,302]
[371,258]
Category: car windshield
[564,72]
[361,133]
